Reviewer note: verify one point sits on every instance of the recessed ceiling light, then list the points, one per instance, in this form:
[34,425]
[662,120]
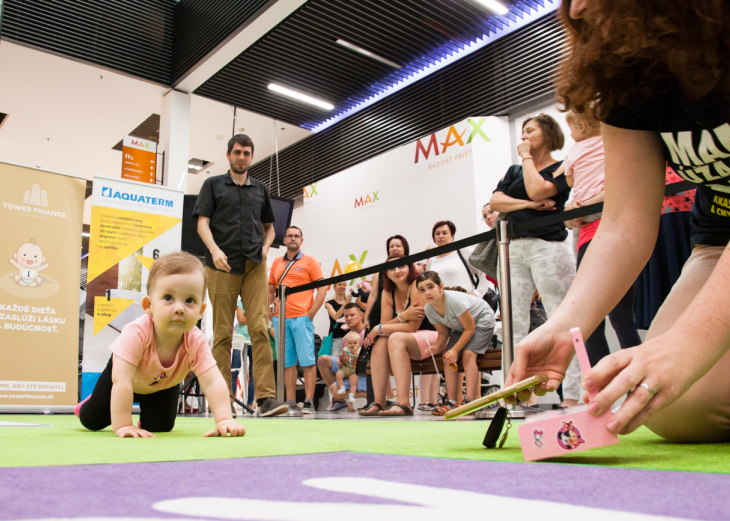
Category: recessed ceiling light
[495,6]
[301,96]
[369,54]
[220,136]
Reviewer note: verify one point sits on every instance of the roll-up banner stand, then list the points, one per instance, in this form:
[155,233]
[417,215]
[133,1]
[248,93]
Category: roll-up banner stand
[40,237]
[132,224]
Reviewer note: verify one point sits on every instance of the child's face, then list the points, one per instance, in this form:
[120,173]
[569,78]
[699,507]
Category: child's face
[353,343]
[430,292]
[176,302]
[577,130]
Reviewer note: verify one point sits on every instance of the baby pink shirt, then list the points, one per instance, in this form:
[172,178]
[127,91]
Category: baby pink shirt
[136,345]
[586,163]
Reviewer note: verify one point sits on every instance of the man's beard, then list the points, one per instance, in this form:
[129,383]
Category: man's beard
[237,171]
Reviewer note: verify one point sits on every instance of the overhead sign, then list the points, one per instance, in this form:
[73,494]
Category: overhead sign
[42,216]
[139,158]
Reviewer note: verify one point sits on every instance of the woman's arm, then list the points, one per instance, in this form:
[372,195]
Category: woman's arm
[372,299]
[634,191]
[502,202]
[467,321]
[240,316]
[538,188]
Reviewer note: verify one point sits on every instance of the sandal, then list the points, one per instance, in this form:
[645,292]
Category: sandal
[405,410]
[367,412]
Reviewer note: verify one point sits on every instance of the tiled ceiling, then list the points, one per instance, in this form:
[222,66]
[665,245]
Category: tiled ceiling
[302,53]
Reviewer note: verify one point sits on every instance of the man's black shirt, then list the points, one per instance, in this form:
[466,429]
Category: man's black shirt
[236,214]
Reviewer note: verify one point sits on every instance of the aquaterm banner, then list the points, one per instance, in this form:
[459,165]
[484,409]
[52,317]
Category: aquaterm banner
[132,224]
[40,238]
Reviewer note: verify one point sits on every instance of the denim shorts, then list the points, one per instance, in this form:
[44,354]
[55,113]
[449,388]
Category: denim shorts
[299,341]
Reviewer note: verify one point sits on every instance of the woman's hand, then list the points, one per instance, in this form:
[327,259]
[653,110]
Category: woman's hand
[542,205]
[660,363]
[371,338]
[523,149]
[451,356]
[414,312]
[548,350]
[574,223]
[348,298]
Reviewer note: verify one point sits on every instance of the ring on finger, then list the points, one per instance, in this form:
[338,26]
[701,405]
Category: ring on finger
[651,391]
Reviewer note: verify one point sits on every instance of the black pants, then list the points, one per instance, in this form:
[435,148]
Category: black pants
[622,320]
[157,410]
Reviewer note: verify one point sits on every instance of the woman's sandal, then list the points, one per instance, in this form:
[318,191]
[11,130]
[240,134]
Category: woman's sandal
[367,410]
[405,410]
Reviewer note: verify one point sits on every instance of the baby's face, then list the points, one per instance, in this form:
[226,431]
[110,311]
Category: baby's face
[29,255]
[353,344]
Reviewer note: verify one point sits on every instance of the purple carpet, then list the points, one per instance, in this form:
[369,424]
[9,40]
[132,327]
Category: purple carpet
[403,487]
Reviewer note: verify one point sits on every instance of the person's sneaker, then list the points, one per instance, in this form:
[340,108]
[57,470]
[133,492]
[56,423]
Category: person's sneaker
[337,406]
[233,410]
[426,407]
[293,406]
[308,407]
[341,390]
[442,409]
[271,407]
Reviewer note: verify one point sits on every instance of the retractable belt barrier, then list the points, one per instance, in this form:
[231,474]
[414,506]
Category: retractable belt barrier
[506,232]
[671,189]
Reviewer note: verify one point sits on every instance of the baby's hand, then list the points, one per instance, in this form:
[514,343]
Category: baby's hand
[132,431]
[226,428]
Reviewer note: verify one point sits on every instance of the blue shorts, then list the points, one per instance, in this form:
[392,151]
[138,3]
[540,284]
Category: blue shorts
[299,341]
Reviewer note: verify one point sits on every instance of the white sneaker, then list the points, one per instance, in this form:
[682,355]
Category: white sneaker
[351,399]
[342,390]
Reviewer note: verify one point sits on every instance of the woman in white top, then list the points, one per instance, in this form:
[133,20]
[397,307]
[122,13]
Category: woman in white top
[454,270]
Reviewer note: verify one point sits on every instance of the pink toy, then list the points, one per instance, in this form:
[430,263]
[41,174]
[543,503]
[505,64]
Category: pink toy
[566,431]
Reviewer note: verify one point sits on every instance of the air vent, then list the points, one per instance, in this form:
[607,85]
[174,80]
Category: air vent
[149,129]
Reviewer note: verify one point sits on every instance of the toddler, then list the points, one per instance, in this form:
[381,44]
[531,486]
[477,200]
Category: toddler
[155,353]
[348,357]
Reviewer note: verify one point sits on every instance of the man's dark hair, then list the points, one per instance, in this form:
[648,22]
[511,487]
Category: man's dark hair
[352,305]
[241,139]
[296,228]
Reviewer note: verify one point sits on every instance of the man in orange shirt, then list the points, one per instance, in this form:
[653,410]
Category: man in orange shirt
[296,269]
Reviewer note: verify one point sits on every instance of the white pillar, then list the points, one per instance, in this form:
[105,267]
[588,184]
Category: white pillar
[175,138]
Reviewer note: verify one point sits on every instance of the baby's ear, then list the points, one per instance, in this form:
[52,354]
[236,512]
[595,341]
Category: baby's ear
[147,305]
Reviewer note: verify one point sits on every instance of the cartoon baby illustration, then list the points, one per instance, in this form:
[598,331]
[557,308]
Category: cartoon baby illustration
[30,262]
[159,378]
[569,436]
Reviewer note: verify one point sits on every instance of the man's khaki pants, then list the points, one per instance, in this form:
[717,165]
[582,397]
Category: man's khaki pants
[224,289]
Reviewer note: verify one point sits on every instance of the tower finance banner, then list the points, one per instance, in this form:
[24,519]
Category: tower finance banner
[40,240]
[132,224]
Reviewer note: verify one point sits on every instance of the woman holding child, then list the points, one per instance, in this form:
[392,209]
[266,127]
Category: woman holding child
[465,325]
[539,258]
[403,334]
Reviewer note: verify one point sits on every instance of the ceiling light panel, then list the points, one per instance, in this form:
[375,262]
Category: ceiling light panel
[495,6]
[367,53]
[300,96]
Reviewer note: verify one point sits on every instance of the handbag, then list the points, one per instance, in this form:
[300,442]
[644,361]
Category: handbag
[326,348]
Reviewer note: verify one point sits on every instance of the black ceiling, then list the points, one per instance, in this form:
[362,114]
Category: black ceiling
[301,52]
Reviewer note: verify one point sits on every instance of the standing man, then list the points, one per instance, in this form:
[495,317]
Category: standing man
[329,364]
[235,221]
[295,269]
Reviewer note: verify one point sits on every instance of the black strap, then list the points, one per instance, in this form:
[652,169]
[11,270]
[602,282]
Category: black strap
[472,277]
[286,270]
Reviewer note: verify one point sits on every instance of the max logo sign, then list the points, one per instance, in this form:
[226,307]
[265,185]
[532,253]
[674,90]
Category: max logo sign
[452,138]
[367,200]
[312,191]
[143,144]
[337,269]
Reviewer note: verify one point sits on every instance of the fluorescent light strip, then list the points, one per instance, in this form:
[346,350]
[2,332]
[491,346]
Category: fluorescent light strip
[301,96]
[495,6]
[369,54]
[549,7]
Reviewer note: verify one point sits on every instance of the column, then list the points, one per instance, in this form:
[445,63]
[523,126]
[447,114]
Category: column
[175,138]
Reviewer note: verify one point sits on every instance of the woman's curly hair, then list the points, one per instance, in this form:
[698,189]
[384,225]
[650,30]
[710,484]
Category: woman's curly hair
[629,50]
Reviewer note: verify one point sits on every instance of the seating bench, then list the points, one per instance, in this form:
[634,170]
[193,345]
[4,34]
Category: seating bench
[489,361]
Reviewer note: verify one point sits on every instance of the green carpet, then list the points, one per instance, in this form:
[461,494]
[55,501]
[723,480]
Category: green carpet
[67,443]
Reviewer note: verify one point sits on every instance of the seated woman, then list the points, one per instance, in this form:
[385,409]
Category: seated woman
[465,325]
[403,334]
